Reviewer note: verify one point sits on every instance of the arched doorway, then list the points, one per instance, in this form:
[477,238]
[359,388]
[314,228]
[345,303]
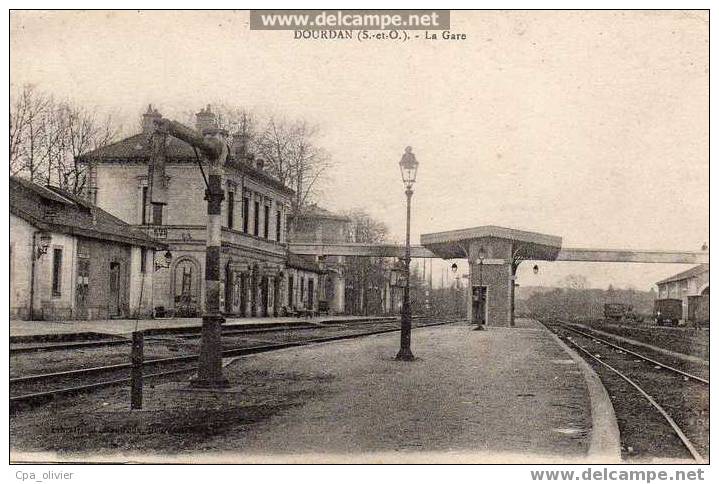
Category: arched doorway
[278,294]
[186,287]
[243,278]
[264,296]
[254,289]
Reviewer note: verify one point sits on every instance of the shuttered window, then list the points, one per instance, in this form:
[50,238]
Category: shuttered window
[57,272]
[230,209]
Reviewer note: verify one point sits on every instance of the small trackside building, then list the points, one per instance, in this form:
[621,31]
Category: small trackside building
[70,259]
[304,291]
[691,287]
[318,225]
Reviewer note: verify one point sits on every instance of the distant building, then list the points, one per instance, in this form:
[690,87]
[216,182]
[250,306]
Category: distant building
[318,225]
[254,215]
[71,260]
[691,287]
[304,276]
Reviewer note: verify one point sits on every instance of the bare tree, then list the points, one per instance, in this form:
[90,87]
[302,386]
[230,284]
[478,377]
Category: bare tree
[292,155]
[366,275]
[287,147]
[365,228]
[83,130]
[47,137]
[26,112]
[274,146]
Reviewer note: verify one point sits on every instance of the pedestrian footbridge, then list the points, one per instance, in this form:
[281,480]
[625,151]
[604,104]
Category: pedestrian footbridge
[494,254]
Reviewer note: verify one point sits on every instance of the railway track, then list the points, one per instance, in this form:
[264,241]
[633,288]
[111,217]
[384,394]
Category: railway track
[28,390]
[648,359]
[631,368]
[185,333]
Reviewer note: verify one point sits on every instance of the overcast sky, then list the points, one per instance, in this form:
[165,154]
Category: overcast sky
[592,126]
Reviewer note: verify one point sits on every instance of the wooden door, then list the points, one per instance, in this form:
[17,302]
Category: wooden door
[114,294]
[82,287]
[479,304]
[311,294]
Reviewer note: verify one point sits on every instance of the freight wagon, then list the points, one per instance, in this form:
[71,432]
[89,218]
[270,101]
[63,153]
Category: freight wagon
[619,312]
[667,311]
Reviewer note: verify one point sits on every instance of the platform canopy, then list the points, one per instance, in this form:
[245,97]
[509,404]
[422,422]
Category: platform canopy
[453,244]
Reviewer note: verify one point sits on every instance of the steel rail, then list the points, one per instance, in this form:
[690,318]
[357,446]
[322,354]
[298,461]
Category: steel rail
[238,351]
[634,353]
[231,331]
[685,440]
[174,359]
[70,346]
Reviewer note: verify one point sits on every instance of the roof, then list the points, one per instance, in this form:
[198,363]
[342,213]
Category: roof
[137,149]
[303,262]
[688,274]
[531,245]
[315,211]
[56,210]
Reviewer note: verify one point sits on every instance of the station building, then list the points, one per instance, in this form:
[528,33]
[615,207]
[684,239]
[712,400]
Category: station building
[691,287]
[70,259]
[254,215]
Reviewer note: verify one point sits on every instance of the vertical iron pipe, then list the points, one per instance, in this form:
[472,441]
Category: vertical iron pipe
[210,362]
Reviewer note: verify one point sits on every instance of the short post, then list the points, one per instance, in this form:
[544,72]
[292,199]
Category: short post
[138,346]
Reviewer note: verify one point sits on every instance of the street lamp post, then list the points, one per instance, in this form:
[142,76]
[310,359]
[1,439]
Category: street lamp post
[481,321]
[408,166]
[457,288]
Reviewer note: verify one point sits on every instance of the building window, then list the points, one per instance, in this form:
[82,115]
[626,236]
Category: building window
[157,214]
[230,210]
[257,219]
[245,214]
[278,227]
[144,205]
[83,273]
[82,283]
[302,289]
[57,272]
[291,291]
[267,222]
[143,260]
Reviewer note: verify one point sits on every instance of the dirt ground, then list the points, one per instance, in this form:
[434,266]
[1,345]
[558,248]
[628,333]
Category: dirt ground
[503,392]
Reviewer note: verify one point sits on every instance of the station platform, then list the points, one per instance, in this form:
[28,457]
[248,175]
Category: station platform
[504,395]
[119,327]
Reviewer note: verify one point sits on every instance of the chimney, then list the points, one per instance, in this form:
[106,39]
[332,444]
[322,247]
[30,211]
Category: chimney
[238,147]
[148,119]
[205,120]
